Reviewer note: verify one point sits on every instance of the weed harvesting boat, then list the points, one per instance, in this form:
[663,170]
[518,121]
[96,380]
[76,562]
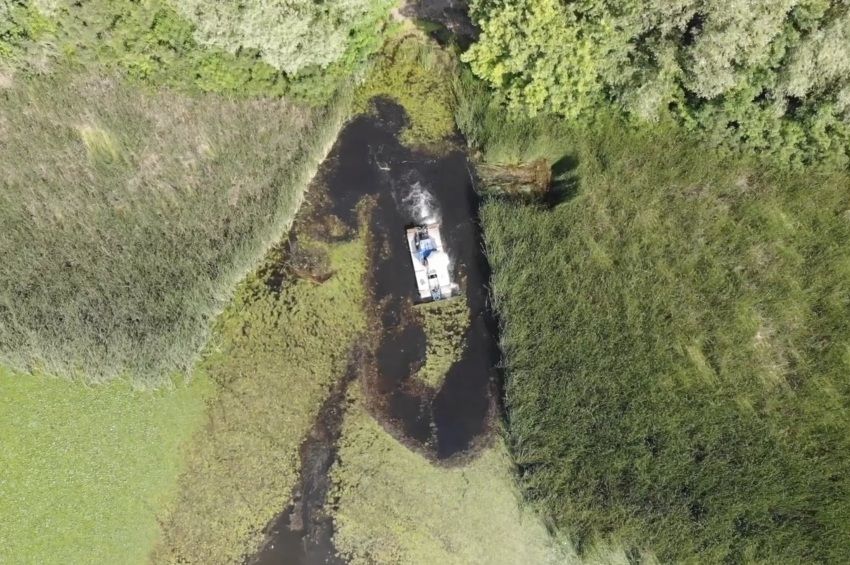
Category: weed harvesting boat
[430,263]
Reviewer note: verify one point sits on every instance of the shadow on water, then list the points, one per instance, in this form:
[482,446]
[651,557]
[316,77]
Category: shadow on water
[368,161]
[449,20]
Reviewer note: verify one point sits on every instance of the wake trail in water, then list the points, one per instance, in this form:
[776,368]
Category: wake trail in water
[419,204]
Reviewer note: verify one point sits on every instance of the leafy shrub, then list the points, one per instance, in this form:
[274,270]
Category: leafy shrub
[290,36]
[154,43]
[20,22]
[772,77]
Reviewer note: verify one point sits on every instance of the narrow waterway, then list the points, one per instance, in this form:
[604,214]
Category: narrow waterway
[368,160]
[303,533]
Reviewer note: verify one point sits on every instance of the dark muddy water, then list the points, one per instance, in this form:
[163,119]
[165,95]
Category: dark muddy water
[369,161]
[303,533]
[451,15]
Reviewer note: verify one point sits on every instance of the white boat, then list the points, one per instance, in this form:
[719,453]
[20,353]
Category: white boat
[430,262]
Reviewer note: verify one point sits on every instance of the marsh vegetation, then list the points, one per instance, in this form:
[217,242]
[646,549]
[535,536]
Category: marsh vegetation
[146,174]
[136,196]
[666,216]
[129,216]
[276,352]
[672,312]
[675,373]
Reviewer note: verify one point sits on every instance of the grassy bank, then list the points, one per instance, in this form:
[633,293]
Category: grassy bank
[676,345]
[84,470]
[278,348]
[394,506]
[108,473]
[129,215]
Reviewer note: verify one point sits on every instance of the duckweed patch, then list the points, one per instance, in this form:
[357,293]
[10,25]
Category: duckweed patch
[445,323]
[417,75]
[395,506]
[276,354]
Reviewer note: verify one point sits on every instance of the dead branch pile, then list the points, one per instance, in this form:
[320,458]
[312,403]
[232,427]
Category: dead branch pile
[528,180]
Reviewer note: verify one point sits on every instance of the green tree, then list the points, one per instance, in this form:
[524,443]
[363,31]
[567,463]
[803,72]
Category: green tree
[537,55]
[769,75]
[290,35]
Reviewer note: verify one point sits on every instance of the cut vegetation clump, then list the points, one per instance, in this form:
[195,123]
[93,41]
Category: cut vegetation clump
[445,322]
[128,217]
[529,181]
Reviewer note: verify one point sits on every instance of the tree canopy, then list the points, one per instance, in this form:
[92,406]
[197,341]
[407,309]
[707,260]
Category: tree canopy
[769,75]
[291,35]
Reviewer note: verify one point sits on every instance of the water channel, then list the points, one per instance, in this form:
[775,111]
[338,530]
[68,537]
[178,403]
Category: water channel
[368,160]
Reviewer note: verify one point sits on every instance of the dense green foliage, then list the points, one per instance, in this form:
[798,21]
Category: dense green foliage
[150,42]
[772,76]
[537,54]
[20,23]
[677,348]
[417,75]
[129,216]
[157,42]
[291,36]
[84,471]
